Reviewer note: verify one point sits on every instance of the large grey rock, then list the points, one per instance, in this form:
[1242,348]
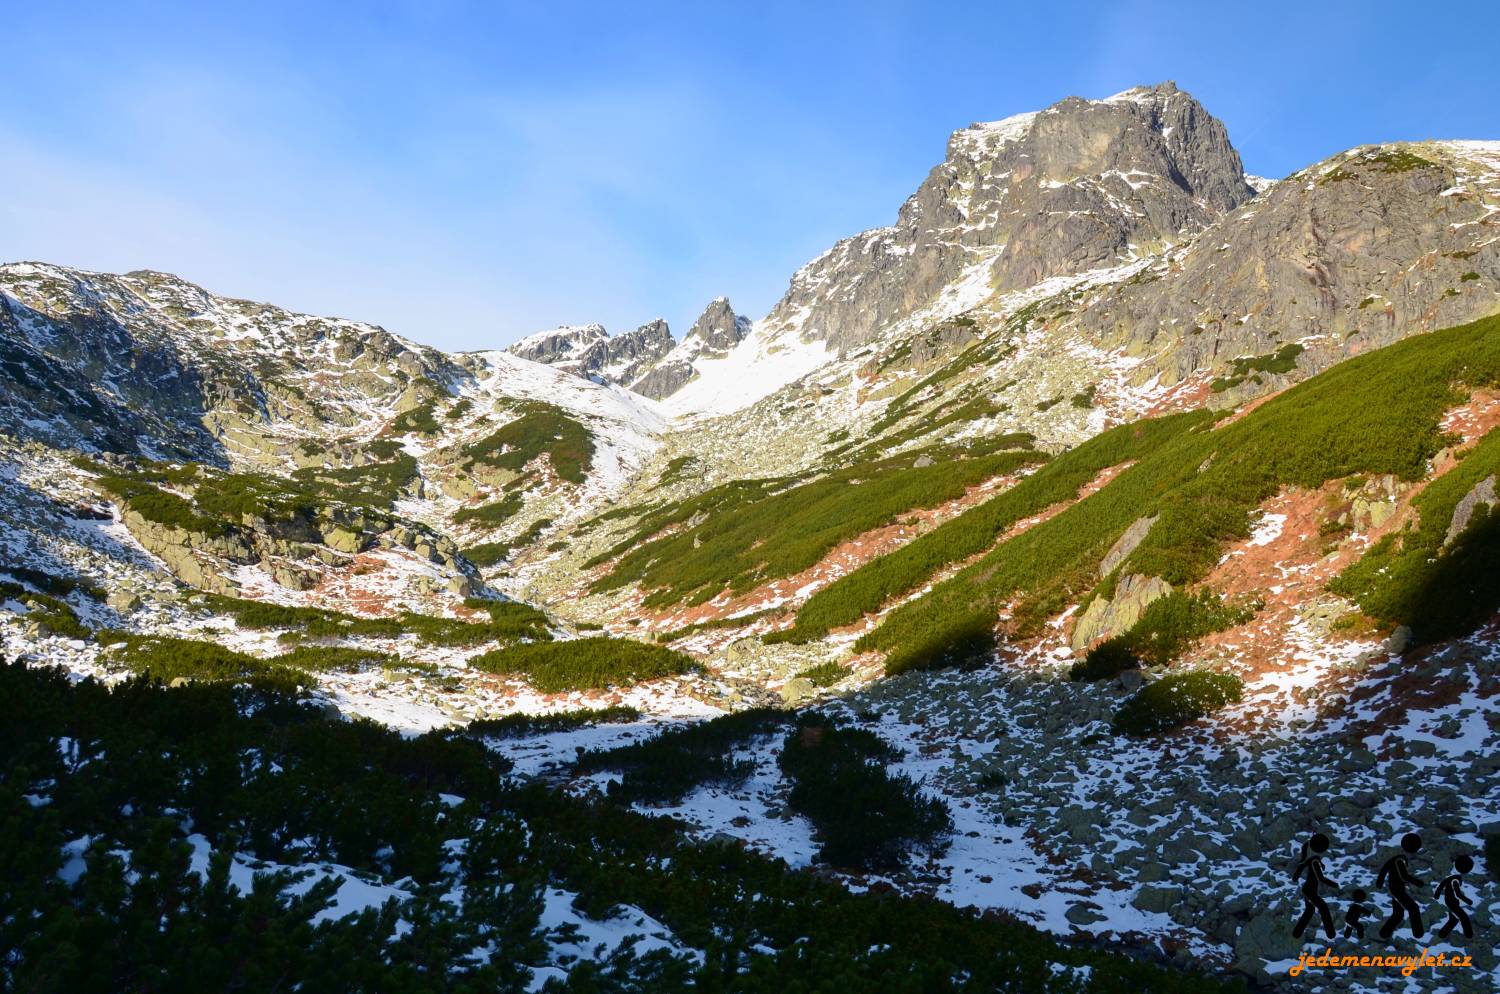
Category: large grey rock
[797,690]
[1126,544]
[1482,495]
[1108,617]
[1265,938]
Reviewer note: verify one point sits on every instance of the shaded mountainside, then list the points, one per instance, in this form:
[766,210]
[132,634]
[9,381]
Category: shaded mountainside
[1095,517]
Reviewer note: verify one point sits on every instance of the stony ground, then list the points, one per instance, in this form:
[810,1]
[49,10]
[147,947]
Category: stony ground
[1182,845]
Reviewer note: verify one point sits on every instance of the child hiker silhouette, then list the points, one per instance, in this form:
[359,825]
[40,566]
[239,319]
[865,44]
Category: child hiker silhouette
[1354,927]
[1451,895]
[1396,876]
[1312,900]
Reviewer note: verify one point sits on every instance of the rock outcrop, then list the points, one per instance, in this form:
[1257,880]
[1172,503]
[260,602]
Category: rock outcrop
[1349,255]
[589,351]
[1481,496]
[717,331]
[1107,617]
[1081,185]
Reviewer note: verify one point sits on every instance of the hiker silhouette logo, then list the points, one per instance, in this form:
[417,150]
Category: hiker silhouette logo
[1311,863]
[1450,892]
[1354,926]
[1396,877]
[1399,883]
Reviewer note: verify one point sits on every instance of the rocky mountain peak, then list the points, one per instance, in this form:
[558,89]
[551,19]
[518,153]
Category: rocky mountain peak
[591,352]
[1081,185]
[718,327]
[564,346]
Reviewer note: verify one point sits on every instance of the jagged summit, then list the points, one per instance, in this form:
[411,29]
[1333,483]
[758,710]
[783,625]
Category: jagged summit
[718,327]
[591,352]
[1076,186]
[714,335]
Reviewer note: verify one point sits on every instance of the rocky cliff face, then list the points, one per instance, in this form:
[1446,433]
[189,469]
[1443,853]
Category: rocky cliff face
[716,332]
[1081,185]
[576,348]
[589,351]
[1348,255]
[718,328]
[147,363]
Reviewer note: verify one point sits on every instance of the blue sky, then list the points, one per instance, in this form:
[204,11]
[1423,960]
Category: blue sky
[466,173]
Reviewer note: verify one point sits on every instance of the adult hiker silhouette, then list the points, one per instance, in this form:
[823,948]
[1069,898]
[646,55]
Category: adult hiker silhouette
[1395,876]
[1451,895]
[1312,901]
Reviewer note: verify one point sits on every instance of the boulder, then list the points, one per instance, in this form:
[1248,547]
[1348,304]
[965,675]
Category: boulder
[798,689]
[1159,898]
[123,601]
[343,540]
[1483,494]
[1083,913]
[1108,618]
[1265,938]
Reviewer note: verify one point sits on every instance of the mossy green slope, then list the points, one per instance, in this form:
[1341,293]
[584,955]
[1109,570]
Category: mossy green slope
[1378,414]
[866,589]
[742,534]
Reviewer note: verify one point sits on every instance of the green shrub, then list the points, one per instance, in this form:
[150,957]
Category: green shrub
[667,767]
[491,514]
[376,485]
[508,621]
[676,469]
[514,726]
[487,554]
[1175,700]
[44,609]
[220,504]
[541,429]
[49,583]
[327,658]
[582,664]
[824,674]
[1108,659]
[1283,360]
[417,421]
[716,624]
[166,658]
[865,817]
[159,506]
